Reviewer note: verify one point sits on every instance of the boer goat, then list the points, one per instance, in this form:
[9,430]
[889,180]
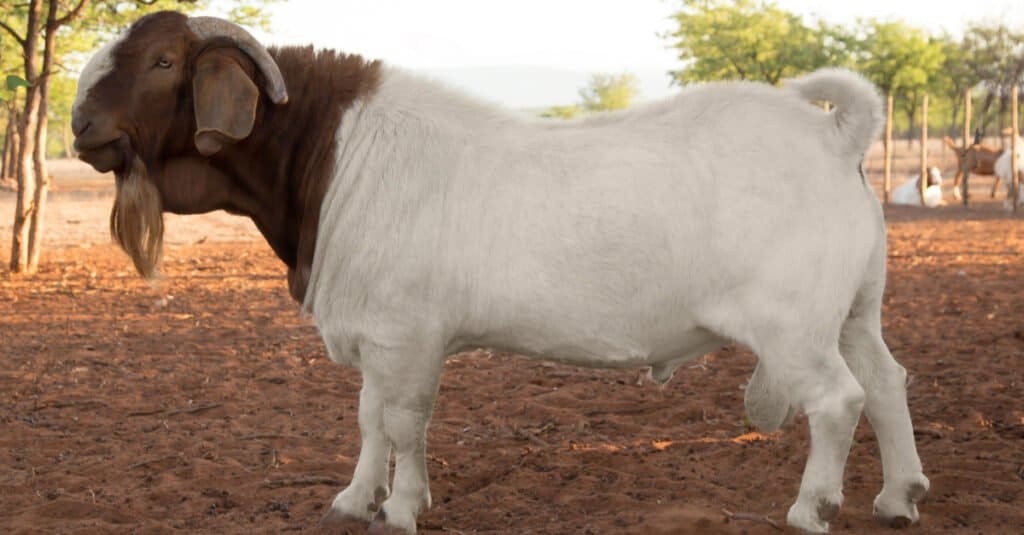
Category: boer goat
[416,222]
[979,159]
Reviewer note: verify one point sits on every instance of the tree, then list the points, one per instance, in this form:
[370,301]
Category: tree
[561,112]
[957,76]
[64,26]
[901,60]
[750,40]
[607,92]
[995,55]
[25,177]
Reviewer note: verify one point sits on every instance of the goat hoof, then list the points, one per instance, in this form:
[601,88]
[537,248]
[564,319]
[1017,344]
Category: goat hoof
[827,511]
[813,516]
[380,526]
[337,520]
[901,513]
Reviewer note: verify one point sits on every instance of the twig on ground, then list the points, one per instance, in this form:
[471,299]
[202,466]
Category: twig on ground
[752,517]
[300,481]
[193,410]
[522,433]
[146,413]
[924,431]
[633,408]
[140,464]
[265,436]
[165,412]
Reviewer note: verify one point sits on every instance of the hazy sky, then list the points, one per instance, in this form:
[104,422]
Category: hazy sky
[561,41]
[608,35]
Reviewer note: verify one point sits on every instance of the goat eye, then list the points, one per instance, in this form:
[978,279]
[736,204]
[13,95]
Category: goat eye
[163,63]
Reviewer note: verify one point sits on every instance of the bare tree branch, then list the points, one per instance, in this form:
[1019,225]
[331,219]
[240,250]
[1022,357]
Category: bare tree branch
[73,14]
[14,34]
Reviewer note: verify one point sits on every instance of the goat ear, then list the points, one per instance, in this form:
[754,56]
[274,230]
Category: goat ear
[225,102]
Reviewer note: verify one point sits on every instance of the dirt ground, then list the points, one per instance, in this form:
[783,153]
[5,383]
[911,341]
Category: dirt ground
[205,403]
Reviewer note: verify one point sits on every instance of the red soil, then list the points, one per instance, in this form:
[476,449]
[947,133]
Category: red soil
[206,404]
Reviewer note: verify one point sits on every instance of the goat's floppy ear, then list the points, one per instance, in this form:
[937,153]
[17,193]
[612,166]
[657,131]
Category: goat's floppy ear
[225,101]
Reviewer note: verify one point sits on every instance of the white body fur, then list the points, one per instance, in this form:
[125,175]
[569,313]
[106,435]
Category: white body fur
[641,238]
[1002,169]
[908,192]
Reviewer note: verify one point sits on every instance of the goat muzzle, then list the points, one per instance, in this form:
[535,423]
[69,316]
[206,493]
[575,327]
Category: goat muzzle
[103,158]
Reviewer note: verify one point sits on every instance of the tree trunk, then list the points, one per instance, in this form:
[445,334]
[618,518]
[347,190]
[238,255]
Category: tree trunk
[26,132]
[984,117]
[69,146]
[1000,121]
[910,126]
[954,114]
[10,140]
[39,156]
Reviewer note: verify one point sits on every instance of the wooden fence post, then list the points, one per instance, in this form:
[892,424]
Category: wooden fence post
[887,157]
[967,144]
[923,182]
[1014,185]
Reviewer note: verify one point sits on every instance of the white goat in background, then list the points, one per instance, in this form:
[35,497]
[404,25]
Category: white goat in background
[908,193]
[1002,168]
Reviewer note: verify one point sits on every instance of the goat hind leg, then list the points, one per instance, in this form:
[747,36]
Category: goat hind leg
[818,382]
[884,383]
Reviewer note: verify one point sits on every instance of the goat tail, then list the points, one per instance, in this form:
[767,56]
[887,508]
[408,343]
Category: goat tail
[859,112]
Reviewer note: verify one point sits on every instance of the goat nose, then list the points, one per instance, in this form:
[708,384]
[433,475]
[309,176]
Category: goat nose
[79,125]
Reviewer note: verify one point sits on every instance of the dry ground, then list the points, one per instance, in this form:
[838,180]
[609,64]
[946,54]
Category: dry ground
[205,404]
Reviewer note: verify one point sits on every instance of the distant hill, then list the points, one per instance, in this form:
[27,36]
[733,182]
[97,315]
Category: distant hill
[527,87]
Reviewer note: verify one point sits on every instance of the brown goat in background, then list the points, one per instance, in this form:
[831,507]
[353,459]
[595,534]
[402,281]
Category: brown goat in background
[979,159]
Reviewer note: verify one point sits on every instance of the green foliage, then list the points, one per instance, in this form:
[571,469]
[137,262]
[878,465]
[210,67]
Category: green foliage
[757,40]
[898,58]
[252,13]
[995,55]
[561,112]
[14,82]
[607,92]
[901,60]
[750,40]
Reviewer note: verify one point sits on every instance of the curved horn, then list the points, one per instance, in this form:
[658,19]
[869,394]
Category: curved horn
[207,27]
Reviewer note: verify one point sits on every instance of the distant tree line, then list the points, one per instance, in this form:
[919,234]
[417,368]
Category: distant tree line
[603,92]
[757,40]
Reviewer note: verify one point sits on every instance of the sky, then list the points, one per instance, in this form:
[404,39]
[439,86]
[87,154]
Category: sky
[546,49]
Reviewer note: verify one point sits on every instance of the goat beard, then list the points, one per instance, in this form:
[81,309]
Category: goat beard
[137,221]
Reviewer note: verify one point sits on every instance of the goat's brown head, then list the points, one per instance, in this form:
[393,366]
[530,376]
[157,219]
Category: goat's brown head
[170,85]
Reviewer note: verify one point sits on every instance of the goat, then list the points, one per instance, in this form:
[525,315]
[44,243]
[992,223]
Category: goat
[909,192]
[979,159]
[416,222]
[1005,175]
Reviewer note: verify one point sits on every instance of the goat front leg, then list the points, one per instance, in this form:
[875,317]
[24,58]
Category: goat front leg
[406,380]
[360,501]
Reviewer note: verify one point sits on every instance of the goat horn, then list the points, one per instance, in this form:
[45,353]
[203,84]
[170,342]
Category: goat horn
[207,27]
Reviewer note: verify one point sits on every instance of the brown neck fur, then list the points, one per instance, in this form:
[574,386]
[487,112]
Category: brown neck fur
[280,173]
